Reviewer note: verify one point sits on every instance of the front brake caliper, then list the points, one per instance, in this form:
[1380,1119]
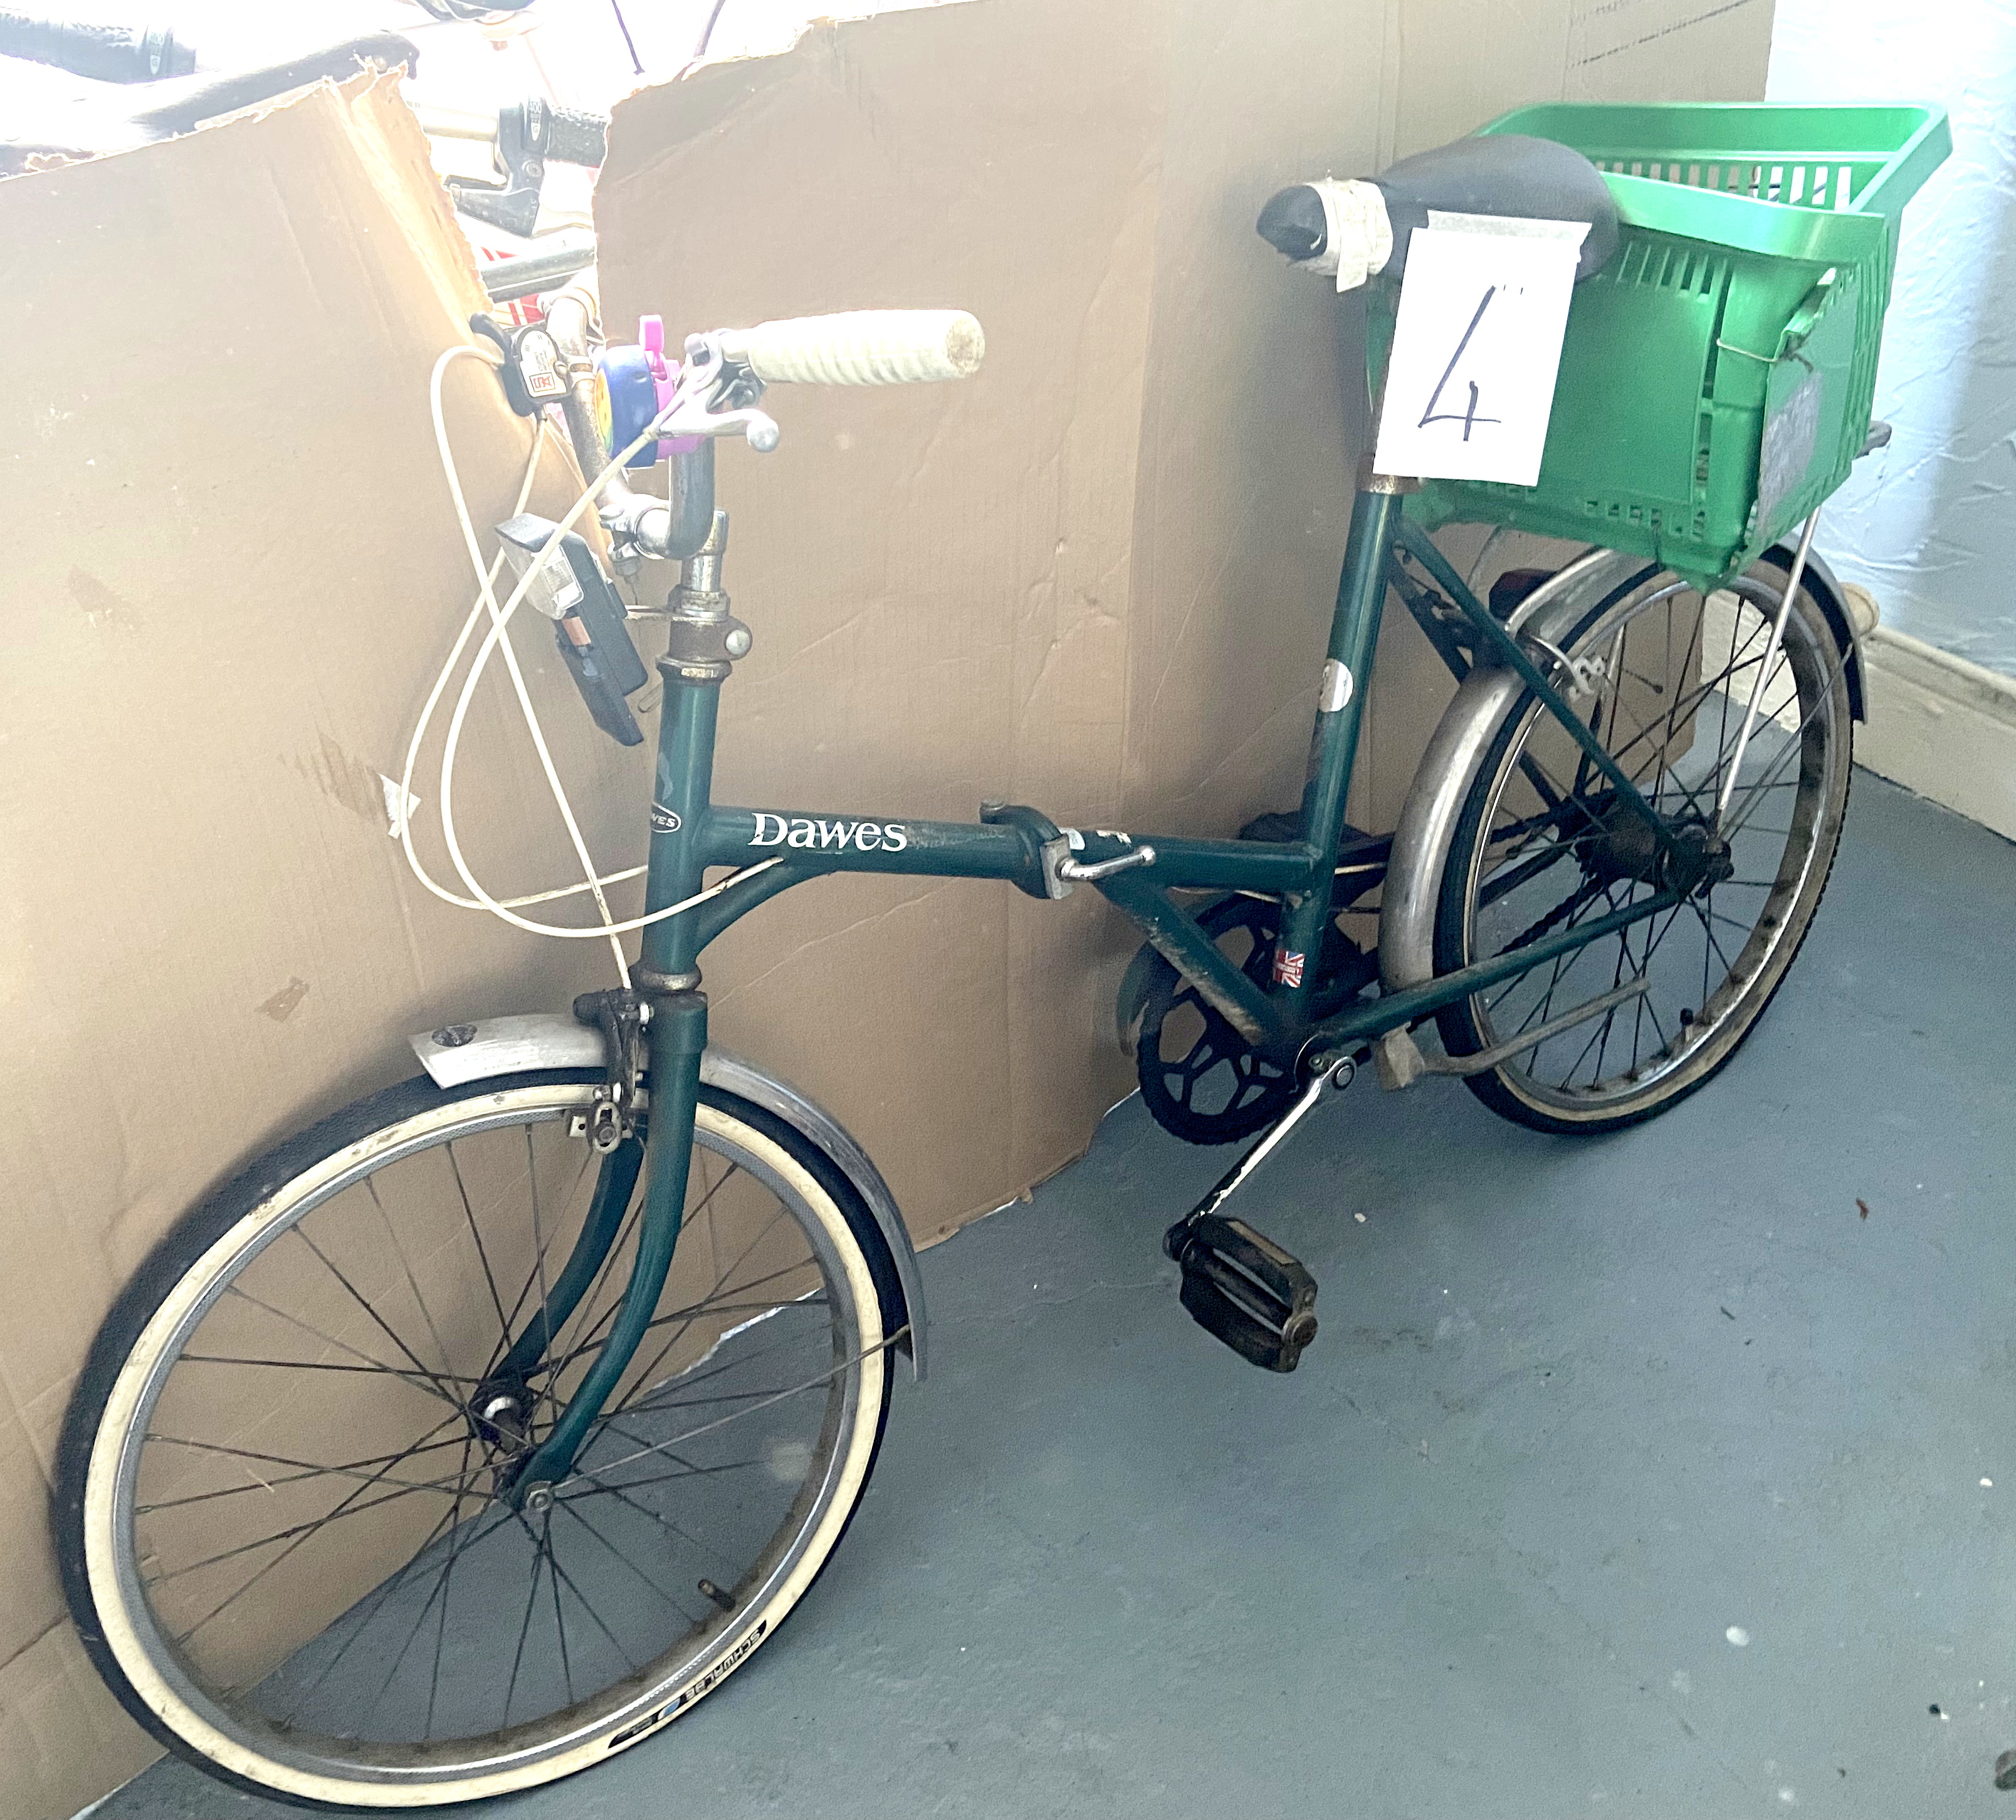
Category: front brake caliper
[621,1015]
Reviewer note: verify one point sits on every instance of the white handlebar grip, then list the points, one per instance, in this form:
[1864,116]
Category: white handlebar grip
[862,348]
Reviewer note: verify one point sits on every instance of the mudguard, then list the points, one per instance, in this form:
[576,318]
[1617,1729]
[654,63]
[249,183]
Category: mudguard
[456,1054]
[1443,780]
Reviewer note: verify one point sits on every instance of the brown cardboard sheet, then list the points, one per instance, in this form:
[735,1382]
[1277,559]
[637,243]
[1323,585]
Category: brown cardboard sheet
[230,574]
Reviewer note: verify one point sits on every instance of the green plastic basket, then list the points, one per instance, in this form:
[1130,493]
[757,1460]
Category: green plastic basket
[1716,378]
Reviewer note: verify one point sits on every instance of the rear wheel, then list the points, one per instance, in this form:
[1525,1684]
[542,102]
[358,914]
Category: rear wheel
[1544,843]
[279,1516]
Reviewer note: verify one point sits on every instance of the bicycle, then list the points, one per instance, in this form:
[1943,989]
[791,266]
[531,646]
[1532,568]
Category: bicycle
[335,1535]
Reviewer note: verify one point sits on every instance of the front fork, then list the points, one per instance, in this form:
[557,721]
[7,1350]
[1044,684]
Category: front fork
[678,1034]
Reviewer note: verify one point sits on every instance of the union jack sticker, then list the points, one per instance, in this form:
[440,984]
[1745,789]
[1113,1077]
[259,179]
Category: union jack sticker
[1287,967]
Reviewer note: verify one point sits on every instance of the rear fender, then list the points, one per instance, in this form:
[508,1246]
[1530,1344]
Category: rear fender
[1443,780]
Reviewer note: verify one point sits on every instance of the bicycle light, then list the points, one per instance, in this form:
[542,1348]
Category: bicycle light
[568,586]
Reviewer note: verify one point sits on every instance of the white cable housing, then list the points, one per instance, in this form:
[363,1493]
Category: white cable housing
[497,640]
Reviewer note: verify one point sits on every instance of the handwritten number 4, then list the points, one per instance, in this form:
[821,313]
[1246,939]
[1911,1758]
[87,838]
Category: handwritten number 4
[1469,416]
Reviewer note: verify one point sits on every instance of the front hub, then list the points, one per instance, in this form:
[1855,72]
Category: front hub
[500,1414]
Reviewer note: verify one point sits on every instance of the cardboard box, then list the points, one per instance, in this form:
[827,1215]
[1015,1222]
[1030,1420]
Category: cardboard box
[1095,579]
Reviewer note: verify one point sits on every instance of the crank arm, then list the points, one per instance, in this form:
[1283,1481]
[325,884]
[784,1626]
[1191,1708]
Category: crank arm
[1238,1284]
[1326,1071]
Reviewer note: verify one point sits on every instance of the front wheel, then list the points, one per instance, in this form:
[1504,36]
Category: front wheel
[1664,676]
[278,1509]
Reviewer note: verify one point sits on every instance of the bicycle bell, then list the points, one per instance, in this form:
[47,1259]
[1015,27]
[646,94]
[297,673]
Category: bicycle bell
[633,383]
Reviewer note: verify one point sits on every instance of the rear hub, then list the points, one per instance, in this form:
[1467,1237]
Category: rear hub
[1626,848]
[1698,861]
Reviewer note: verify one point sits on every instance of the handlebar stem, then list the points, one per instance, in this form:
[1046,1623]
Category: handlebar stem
[675,527]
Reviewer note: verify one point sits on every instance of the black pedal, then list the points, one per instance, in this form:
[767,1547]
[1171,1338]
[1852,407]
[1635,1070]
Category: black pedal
[1242,1287]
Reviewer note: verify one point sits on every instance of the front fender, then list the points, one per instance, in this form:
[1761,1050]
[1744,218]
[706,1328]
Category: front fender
[459,1053]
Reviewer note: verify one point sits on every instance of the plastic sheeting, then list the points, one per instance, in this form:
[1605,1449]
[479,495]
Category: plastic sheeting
[1929,523]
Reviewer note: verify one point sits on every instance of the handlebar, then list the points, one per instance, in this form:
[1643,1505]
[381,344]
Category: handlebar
[110,53]
[860,348]
[576,138]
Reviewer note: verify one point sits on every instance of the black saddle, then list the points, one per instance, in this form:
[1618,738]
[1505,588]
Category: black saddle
[1503,174]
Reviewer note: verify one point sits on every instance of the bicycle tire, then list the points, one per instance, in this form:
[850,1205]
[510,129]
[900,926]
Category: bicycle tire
[850,1313]
[1702,1044]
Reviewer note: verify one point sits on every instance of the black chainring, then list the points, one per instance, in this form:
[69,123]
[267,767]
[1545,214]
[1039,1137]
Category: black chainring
[1218,1088]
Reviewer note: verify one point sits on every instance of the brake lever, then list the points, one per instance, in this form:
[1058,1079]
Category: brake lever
[716,396]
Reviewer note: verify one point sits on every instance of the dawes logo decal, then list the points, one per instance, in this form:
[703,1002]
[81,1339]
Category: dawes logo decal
[864,837]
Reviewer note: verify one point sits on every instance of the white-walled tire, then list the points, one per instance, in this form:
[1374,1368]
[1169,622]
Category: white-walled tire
[333,1485]
[1670,677]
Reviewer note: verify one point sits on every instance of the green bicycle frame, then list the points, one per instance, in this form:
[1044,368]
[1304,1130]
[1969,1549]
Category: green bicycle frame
[690,833]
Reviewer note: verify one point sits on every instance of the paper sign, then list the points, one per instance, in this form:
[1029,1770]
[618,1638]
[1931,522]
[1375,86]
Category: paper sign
[1470,383]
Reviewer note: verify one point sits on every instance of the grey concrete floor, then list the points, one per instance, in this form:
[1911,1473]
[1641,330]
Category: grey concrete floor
[1582,1413]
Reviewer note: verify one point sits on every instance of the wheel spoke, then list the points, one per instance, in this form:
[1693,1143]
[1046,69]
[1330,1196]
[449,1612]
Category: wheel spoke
[399,1251]
[302,1535]
[567,1504]
[643,1398]
[438,1591]
[685,1326]
[1751,798]
[811,1383]
[1699,673]
[621,1495]
[301,1532]
[440,1630]
[386,1646]
[300,1230]
[708,1306]
[518,1655]
[482,1253]
[541,1242]
[544,1541]
[432,1379]
[349,1469]
[429,1385]
[450,1517]
[595,1617]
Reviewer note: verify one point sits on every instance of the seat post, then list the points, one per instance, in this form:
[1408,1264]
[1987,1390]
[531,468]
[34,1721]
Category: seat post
[1354,633]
